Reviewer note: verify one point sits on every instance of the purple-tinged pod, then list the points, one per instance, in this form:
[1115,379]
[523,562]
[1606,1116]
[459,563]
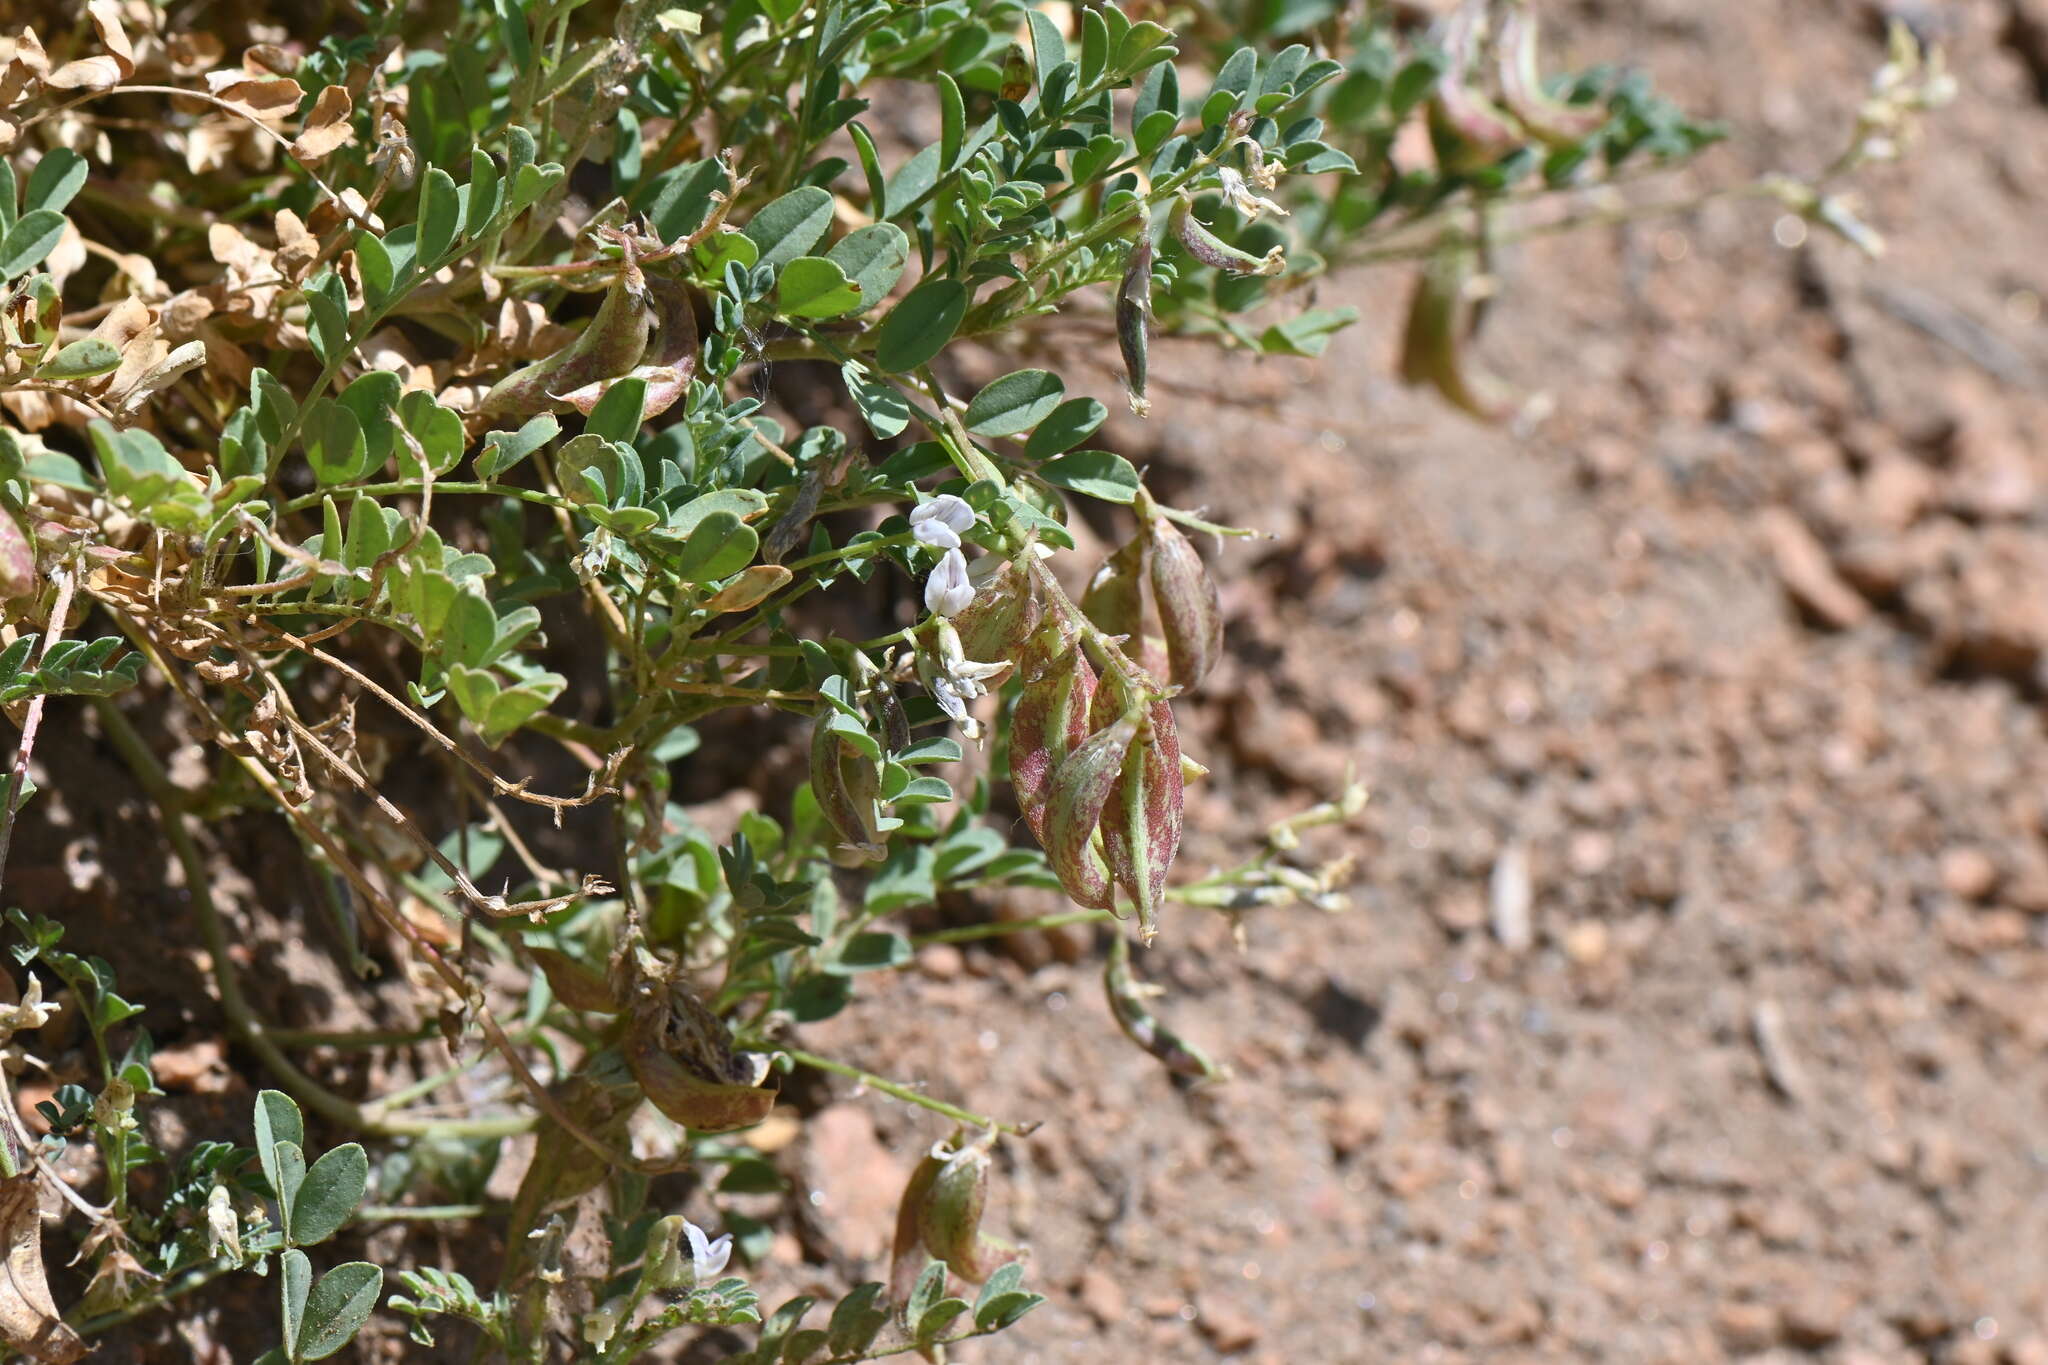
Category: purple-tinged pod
[906,1258]
[1141,821]
[1190,616]
[953,1207]
[18,576]
[1133,307]
[1471,130]
[1206,247]
[847,789]
[1432,345]
[1050,722]
[1556,123]
[1081,790]
[1115,599]
[1004,613]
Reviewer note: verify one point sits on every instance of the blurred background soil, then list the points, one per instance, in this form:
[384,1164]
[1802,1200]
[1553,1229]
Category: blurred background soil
[1730,669]
[1736,656]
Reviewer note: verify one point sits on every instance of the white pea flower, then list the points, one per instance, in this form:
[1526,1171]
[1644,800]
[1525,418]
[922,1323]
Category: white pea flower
[942,521]
[1243,200]
[947,592]
[707,1257]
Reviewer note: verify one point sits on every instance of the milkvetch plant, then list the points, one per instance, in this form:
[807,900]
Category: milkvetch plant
[438,378]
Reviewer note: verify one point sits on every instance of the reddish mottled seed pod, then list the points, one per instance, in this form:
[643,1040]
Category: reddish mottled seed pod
[1182,1058]
[1141,819]
[1081,789]
[610,345]
[1050,721]
[1115,599]
[1206,247]
[1003,614]
[1556,123]
[1189,614]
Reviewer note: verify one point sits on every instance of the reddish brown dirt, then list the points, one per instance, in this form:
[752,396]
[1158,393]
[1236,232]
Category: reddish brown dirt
[1743,645]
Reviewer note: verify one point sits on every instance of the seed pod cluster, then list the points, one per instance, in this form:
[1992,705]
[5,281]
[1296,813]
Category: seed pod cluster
[1190,619]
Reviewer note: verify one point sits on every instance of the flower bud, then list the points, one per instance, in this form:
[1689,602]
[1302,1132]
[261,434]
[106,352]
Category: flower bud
[1189,613]
[1081,788]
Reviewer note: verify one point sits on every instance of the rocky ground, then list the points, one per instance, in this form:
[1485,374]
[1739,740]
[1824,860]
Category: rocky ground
[1730,669]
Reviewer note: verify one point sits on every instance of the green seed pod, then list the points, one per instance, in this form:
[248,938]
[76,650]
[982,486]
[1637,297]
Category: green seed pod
[1127,1006]
[1431,346]
[1080,790]
[906,1261]
[1133,304]
[1189,613]
[1050,720]
[951,1218]
[846,786]
[574,984]
[1206,247]
[1556,123]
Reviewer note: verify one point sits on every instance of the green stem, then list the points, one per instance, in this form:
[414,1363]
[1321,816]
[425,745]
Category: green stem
[906,1093]
[969,933]
[503,490]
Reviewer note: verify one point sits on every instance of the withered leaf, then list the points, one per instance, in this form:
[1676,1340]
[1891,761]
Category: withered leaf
[28,1315]
[327,127]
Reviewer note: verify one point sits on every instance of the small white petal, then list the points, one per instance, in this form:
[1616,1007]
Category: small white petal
[935,533]
[716,1255]
[948,510]
[947,592]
